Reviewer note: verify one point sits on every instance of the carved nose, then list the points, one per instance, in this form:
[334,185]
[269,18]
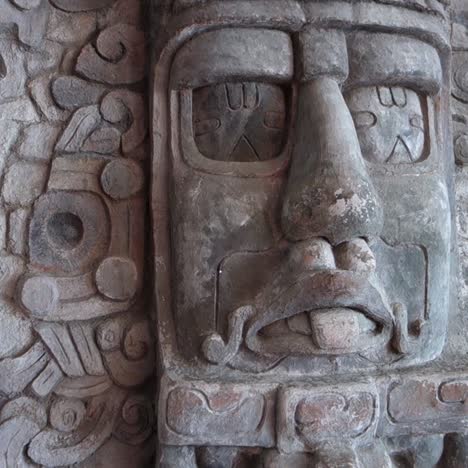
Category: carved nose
[329,192]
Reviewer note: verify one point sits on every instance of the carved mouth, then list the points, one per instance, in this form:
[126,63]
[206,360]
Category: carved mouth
[328,312]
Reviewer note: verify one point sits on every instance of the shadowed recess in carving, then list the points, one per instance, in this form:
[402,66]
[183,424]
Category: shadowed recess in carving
[65,230]
[391,123]
[3,68]
[240,122]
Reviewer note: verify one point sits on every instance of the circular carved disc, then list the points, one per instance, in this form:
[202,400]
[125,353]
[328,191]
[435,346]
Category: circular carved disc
[116,278]
[122,179]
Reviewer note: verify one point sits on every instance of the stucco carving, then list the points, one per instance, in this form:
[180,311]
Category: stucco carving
[304,229]
[256,200]
[76,346]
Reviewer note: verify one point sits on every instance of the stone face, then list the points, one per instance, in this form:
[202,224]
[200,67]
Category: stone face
[295,290]
[304,226]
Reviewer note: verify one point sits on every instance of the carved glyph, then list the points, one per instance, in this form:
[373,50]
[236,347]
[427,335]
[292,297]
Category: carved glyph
[76,350]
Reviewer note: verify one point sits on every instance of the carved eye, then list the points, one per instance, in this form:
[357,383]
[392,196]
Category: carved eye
[391,123]
[239,122]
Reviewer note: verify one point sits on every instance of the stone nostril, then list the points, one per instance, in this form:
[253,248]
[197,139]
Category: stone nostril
[356,256]
[314,254]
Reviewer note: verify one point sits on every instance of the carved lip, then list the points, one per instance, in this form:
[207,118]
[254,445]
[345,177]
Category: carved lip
[316,293]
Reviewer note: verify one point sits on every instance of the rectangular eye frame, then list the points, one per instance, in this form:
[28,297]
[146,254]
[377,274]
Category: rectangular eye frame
[183,141]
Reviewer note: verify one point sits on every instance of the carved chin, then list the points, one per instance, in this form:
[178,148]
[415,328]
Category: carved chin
[331,331]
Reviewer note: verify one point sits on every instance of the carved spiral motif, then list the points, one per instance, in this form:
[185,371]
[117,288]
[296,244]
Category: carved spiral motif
[67,414]
[109,335]
[136,420]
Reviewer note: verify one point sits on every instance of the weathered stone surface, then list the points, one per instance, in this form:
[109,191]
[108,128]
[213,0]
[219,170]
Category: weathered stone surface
[116,278]
[40,91]
[46,59]
[30,17]
[17,329]
[310,417]
[304,232]
[127,108]
[69,207]
[220,415]
[12,83]
[71,92]
[82,5]
[80,127]
[14,189]
[118,58]
[8,136]
[38,141]
[18,231]
[122,179]
[18,372]
[303,235]
[3,229]
[20,110]
[20,421]
[84,133]
[66,27]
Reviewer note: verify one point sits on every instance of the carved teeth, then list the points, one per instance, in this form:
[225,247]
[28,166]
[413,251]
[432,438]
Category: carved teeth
[341,330]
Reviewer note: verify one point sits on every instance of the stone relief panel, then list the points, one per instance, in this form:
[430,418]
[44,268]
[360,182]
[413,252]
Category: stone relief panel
[76,341]
[304,231]
[310,161]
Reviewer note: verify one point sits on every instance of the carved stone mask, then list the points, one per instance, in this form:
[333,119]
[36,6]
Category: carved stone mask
[303,173]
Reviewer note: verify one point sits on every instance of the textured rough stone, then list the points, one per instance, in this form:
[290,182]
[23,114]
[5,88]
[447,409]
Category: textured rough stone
[127,108]
[81,5]
[122,179]
[66,27]
[116,278]
[304,232]
[71,92]
[17,330]
[12,83]
[17,230]
[21,110]
[14,189]
[38,141]
[47,59]
[302,241]
[3,229]
[9,132]
[11,269]
[39,295]
[30,17]
[118,57]
[40,92]
[84,134]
